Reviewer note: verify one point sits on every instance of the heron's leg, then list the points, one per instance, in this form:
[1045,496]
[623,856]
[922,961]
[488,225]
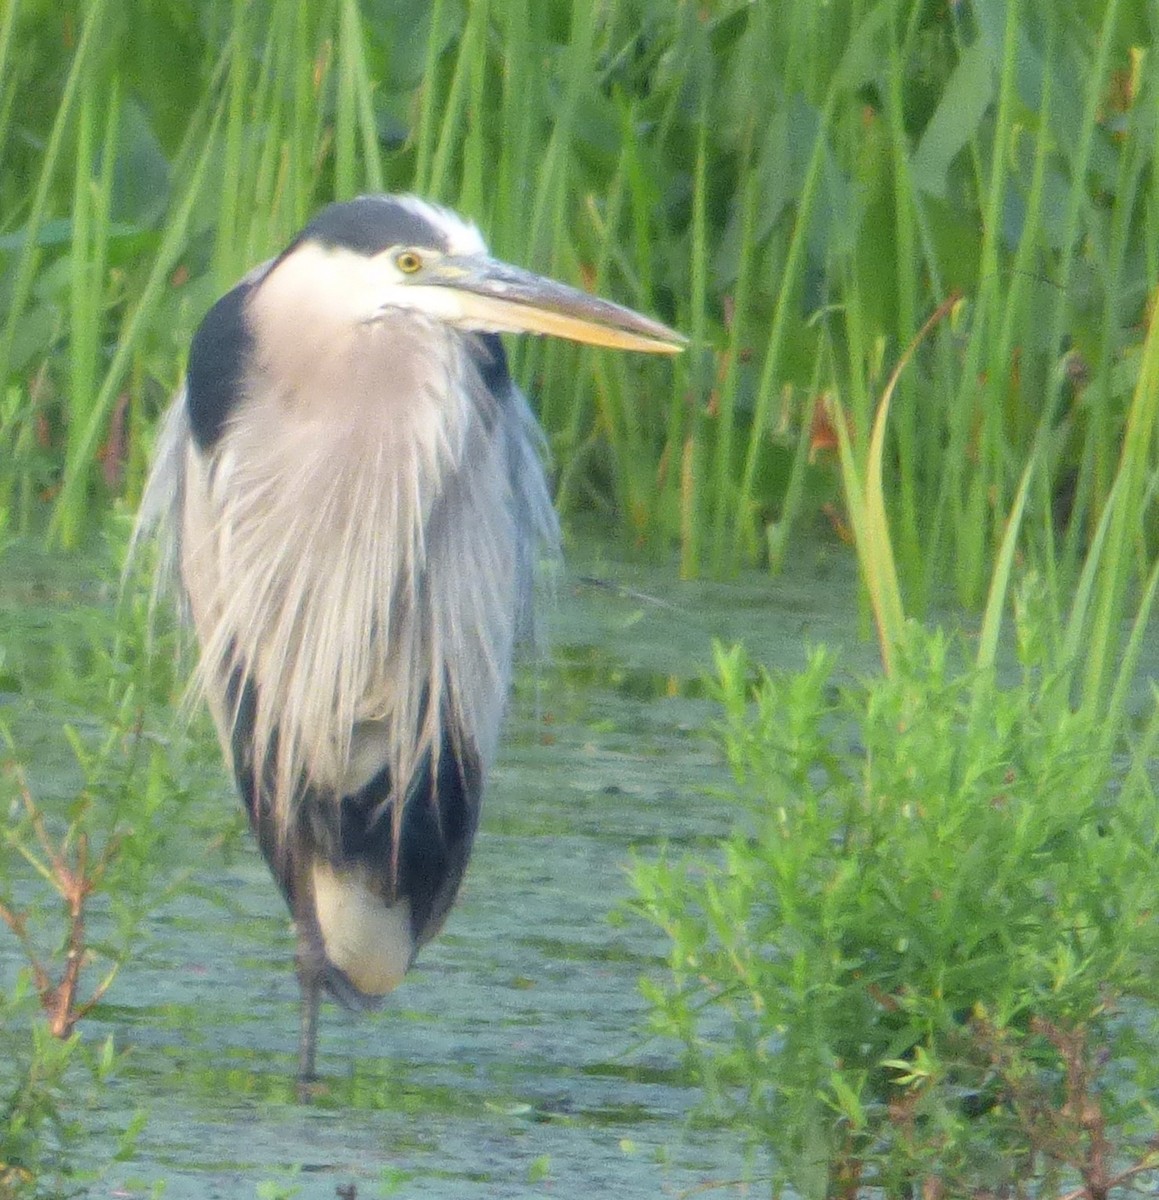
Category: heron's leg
[311,965]
[311,983]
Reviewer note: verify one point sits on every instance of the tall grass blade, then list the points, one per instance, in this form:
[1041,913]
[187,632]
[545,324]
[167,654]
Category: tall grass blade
[63,525]
[30,252]
[1000,578]
[1126,531]
[794,261]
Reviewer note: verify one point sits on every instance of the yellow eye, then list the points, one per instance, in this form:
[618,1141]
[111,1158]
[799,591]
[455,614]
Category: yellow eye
[408,261]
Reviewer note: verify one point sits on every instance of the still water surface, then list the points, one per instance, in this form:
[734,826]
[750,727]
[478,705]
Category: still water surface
[514,1061]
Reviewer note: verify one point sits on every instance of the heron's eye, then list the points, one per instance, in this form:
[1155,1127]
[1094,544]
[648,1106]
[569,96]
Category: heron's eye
[408,261]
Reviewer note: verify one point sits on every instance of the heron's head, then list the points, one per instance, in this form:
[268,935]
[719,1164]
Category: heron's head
[362,262]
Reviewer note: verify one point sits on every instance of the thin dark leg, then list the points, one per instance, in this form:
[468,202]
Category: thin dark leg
[311,964]
[308,1038]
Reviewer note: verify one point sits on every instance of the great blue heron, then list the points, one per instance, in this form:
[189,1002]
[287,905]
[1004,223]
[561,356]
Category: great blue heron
[352,502]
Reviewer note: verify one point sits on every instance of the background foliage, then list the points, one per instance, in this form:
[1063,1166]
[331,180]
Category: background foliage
[796,185]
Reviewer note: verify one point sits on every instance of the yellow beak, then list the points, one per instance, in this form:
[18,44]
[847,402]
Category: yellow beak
[493,296]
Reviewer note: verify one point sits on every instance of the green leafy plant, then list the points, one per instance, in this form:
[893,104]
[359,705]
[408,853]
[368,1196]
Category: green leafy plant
[96,863]
[75,876]
[926,958]
[34,1127]
[105,850]
[85,857]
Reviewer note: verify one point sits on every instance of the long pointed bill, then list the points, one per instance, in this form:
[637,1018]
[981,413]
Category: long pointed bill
[493,296]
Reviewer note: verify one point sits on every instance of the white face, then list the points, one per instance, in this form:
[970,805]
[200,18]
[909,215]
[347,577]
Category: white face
[336,286]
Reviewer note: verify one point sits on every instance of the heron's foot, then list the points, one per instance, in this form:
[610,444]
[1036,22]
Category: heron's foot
[309,1090]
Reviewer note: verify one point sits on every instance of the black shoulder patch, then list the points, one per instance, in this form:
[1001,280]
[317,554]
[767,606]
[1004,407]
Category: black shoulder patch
[490,359]
[217,360]
[370,225]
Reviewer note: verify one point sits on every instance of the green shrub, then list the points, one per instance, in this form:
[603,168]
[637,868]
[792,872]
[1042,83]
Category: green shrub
[926,959]
[94,801]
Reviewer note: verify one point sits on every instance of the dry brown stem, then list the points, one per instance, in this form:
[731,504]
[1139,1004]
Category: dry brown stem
[67,866]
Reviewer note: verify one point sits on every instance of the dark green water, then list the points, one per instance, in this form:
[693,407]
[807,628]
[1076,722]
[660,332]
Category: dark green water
[514,1061]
